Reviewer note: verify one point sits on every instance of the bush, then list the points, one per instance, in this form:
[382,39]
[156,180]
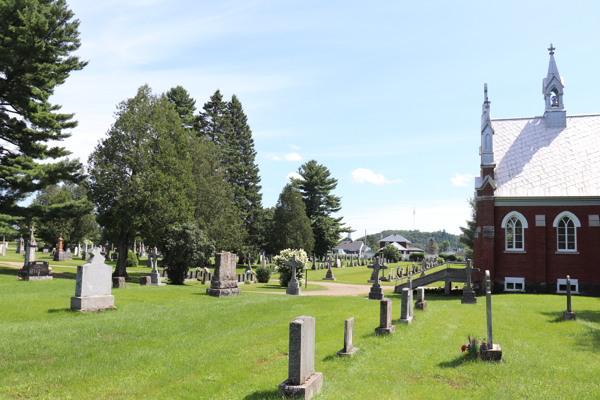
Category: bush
[285,272]
[132,260]
[185,245]
[263,274]
[416,257]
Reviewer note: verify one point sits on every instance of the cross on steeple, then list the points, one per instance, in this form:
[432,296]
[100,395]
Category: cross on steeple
[551,49]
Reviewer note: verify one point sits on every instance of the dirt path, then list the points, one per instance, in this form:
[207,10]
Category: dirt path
[335,289]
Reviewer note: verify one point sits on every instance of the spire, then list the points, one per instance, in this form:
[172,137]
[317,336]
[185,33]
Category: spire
[487,146]
[485,109]
[552,88]
[552,69]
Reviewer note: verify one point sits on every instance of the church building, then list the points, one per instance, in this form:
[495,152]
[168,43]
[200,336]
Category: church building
[538,197]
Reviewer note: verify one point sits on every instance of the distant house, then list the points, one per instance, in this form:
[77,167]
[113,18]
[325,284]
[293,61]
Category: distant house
[349,247]
[401,243]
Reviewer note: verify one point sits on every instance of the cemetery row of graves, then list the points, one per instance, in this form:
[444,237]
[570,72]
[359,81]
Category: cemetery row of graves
[283,344]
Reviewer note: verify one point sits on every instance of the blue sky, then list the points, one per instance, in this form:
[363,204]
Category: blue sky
[386,94]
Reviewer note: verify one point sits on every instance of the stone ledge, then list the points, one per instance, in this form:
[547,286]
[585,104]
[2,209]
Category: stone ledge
[306,391]
[385,331]
[93,303]
[223,292]
[350,352]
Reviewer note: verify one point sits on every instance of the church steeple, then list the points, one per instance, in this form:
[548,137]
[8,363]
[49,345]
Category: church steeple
[552,88]
[487,132]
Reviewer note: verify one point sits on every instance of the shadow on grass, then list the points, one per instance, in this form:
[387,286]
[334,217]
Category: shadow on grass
[263,394]
[58,310]
[457,362]
[554,316]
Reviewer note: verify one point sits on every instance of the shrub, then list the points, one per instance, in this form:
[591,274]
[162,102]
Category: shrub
[263,274]
[285,272]
[185,245]
[132,260]
[416,257]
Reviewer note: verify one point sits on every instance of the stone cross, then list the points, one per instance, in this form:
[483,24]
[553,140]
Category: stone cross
[488,303]
[469,270]
[376,267]
[153,258]
[293,263]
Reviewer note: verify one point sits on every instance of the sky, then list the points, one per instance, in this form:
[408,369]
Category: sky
[386,94]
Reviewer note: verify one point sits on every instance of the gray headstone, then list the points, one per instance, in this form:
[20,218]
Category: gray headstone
[224,280]
[385,317]
[348,349]
[93,288]
[302,345]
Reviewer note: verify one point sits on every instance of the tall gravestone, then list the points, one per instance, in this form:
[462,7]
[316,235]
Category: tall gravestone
[376,292]
[224,282]
[314,263]
[61,254]
[329,275]
[348,349]
[21,246]
[491,351]
[93,289]
[406,316]
[385,318]
[293,285]
[468,291]
[421,303]
[569,314]
[155,275]
[31,248]
[302,382]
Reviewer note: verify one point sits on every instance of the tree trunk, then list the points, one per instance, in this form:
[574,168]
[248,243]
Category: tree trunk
[121,269]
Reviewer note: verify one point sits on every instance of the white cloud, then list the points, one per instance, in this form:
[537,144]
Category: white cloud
[461,179]
[272,157]
[293,146]
[293,157]
[294,175]
[362,175]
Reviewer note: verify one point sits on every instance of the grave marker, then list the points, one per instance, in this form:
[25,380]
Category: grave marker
[376,292]
[224,281]
[348,349]
[329,276]
[468,291]
[36,271]
[293,285]
[569,314]
[93,285]
[421,303]
[406,306]
[491,352]
[385,318]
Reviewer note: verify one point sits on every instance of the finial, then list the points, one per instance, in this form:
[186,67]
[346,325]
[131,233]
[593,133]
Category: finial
[485,98]
[551,49]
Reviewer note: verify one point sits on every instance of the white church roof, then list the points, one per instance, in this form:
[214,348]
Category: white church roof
[534,160]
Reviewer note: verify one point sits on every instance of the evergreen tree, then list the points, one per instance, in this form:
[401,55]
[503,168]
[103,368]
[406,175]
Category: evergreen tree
[431,246]
[242,172]
[316,187]
[140,175]
[184,104]
[37,38]
[214,123]
[291,226]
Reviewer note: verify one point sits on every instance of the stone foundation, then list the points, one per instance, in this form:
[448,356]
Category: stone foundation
[118,282]
[41,278]
[145,280]
[223,292]
[385,331]
[569,315]
[493,354]
[307,390]
[421,305]
[92,303]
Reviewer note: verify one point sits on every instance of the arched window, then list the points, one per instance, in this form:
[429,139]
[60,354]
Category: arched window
[566,224]
[554,98]
[514,224]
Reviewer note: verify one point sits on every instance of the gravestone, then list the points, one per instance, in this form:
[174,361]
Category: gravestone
[224,281]
[85,254]
[338,263]
[406,315]
[156,279]
[569,314]
[314,263]
[45,250]
[329,276]
[421,303]
[21,246]
[30,248]
[293,285]
[385,318]
[302,382]
[491,352]
[36,271]
[61,254]
[348,349]
[118,282]
[93,285]
[376,292]
[145,281]
[468,296]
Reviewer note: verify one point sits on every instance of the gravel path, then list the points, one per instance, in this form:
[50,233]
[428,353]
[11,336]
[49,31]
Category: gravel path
[335,289]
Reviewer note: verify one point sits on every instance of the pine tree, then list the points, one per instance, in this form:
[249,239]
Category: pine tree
[291,226]
[214,123]
[184,104]
[36,40]
[243,173]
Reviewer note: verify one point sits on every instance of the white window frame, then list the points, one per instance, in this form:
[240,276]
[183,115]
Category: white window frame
[576,224]
[504,225]
[574,282]
[510,284]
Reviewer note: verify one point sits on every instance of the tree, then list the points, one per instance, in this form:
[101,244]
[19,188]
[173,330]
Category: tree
[431,246]
[141,175]
[242,171]
[64,209]
[444,246]
[36,40]
[316,186]
[291,226]
[214,123]
[184,104]
[285,271]
[391,253]
[468,232]
[185,245]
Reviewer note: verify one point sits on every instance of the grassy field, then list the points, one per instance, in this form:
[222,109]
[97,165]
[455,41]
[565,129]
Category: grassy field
[174,342]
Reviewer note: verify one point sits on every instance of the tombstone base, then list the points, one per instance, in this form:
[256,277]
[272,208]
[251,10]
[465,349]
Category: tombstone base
[93,303]
[223,292]
[408,320]
[421,305]
[385,331]
[44,278]
[118,282]
[349,352]
[569,315]
[493,354]
[376,292]
[468,297]
[329,279]
[62,256]
[307,390]
[145,280]
[293,288]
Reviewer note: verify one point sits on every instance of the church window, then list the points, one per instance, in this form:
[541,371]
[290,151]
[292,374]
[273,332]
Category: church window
[514,225]
[566,225]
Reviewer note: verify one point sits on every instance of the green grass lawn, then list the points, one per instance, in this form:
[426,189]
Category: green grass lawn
[174,342]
